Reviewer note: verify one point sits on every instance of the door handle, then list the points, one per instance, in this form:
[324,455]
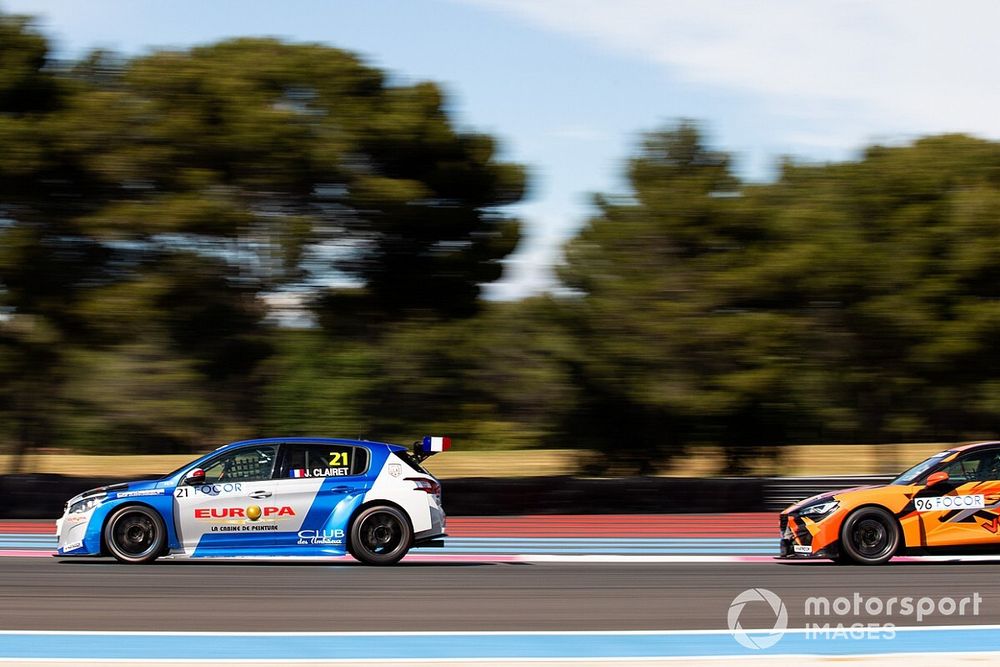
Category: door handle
[342,489]
[260,494]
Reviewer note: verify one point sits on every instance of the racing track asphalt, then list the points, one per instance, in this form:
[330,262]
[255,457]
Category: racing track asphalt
[48,594]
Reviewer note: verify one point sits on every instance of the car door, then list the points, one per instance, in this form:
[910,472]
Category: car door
[323,483]
[235,507]
[965,509]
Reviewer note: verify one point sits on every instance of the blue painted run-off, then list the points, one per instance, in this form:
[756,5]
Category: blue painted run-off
[471,646]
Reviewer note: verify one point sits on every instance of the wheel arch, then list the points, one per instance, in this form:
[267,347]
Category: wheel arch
[375,503]
[131,503]
[899,526]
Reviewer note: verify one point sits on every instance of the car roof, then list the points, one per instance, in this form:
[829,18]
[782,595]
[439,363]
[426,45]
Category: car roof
[311,440]
[969,446]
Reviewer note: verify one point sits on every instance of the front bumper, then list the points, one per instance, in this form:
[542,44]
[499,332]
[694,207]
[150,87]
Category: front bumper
[806,539]
[787,552]
[71,534]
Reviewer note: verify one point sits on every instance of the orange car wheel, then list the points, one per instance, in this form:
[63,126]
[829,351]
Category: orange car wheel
[870,536]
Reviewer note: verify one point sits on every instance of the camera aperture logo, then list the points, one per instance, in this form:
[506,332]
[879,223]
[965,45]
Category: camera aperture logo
[854,618]
[758,640]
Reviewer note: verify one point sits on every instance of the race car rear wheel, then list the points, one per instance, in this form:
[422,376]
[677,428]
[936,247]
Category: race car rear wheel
[380,535]
[870,536]
[135,534]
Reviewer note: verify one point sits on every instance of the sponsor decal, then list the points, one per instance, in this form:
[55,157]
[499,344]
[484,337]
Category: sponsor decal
[208,490]
[253,513]
[298,473]
[803,549]
[939,503]
[217,489]
[75,518]
[395,469]
[72,545]
[244,527]
[145,492]
[321,536]
[240,519]
[993,525]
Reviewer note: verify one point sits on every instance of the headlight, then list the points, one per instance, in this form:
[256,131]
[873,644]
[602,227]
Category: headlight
[86,504]
[820,509]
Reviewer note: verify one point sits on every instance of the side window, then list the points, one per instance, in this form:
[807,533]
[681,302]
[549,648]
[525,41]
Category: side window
[249,464]
[976,467]
[315,460]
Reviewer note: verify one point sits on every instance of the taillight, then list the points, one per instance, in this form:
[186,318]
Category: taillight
[428,485]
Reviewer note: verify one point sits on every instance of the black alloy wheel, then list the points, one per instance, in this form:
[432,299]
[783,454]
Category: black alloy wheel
[380,535]
[870,536]
[135,534]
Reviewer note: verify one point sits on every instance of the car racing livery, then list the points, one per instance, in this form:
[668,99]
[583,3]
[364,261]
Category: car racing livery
[948,503]
[305,497]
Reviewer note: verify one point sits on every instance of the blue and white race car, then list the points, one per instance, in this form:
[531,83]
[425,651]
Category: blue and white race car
[303,497]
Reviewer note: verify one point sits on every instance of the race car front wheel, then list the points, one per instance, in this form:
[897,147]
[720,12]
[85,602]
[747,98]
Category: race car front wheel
[870,536]
[135,534]
[380,535]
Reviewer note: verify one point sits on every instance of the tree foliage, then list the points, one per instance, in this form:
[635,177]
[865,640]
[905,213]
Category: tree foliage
[845,302]
[153,209]
[149,207]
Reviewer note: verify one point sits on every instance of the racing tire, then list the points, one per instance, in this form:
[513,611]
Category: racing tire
[135,534]
[380,535]
[870,536]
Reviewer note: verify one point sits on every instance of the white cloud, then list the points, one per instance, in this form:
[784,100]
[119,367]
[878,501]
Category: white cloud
[829,76]
[898,66]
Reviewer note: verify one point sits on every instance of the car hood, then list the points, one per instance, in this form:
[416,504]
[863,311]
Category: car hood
[137,485]
[840,494]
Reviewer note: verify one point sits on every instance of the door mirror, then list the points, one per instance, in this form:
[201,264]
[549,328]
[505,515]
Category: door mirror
[937,478]
[195,476]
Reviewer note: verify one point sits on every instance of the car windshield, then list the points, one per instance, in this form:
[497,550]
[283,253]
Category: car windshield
[918,471]
[171,474]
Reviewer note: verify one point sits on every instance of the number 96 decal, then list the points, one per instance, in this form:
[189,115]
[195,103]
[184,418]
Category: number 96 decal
[938,503]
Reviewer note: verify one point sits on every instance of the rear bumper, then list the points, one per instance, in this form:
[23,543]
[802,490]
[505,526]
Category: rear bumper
[439,521]
[430,541]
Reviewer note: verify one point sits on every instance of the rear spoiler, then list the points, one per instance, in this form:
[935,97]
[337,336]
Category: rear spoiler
[430,446]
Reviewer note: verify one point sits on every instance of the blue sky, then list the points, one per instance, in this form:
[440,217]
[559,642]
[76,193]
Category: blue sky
[568,85]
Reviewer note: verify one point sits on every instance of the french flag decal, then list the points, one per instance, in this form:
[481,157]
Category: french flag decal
[436,444]
[296,472]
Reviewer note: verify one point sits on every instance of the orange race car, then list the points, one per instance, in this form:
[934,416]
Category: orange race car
[949,503]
